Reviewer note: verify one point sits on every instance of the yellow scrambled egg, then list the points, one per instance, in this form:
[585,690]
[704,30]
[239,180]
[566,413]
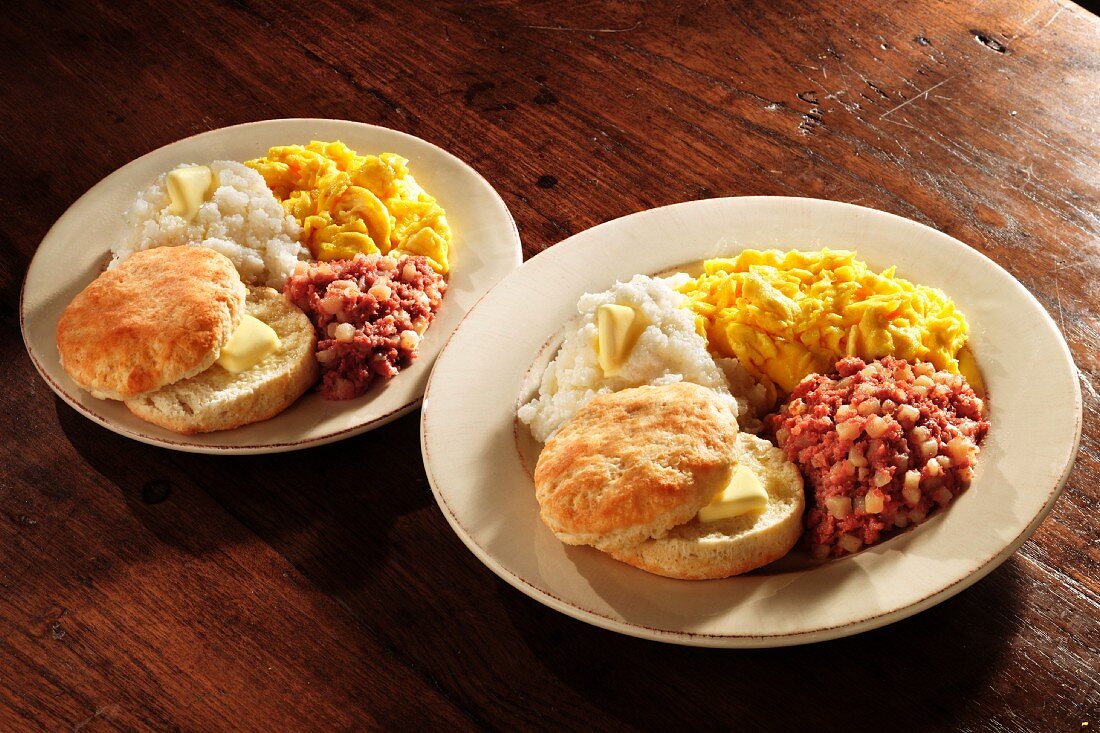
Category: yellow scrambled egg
[348,203]
[786,315]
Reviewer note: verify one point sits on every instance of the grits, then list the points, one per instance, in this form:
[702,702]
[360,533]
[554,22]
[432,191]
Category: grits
[242,220]
[669,350]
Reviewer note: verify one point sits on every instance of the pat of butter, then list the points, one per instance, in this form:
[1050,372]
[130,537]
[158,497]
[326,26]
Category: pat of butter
[188,188]
[618,328]
[743,494]
[251,343]
[968,367]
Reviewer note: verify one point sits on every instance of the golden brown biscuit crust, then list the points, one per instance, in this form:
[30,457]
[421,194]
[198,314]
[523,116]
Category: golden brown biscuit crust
[632,464]
[160,316]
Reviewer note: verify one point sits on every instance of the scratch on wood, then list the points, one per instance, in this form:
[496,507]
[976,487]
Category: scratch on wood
[902,123]
[1088,385]
[1084,592]
[1074,263]
[582,30]
[98,712]
[1061,309]
[1030,18]
[922,94]
[1056,14]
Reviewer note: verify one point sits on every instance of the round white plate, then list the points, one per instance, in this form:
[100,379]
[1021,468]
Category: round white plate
[75,250]
[475,455]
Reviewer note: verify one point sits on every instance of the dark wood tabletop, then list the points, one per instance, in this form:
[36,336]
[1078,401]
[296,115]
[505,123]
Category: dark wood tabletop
[142,588]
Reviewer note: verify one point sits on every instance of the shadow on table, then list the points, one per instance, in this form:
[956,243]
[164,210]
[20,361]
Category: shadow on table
[328,510]
[917,673]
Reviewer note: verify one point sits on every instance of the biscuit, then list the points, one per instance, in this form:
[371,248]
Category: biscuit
[161,316]
[701,550]
[220,400]
[630,465]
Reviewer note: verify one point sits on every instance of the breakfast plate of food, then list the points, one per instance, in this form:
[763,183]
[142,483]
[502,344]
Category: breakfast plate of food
[263,287]
[749,422]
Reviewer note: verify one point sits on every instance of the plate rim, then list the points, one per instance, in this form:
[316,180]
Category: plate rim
[181,444]
[735,640]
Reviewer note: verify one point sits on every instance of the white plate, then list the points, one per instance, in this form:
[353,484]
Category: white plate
[469,435]
[486,248]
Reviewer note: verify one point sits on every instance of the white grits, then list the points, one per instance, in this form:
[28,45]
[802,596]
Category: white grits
[668,350]
[242,220]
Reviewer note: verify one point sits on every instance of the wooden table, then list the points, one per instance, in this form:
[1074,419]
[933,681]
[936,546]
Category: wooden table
[142,588]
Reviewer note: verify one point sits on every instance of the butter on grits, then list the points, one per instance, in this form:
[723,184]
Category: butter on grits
[786,315]
[348,203]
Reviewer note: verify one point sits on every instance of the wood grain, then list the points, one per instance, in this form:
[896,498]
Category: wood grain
[145,589]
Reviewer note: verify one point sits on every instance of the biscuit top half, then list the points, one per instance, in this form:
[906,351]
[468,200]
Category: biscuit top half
[632,464]
[162,315]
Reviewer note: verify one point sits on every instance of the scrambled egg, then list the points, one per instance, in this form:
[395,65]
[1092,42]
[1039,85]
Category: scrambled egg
[786,315]
[348,203]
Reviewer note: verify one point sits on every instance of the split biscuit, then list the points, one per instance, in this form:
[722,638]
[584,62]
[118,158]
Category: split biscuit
[631,465]
[702,550]
[217,399]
